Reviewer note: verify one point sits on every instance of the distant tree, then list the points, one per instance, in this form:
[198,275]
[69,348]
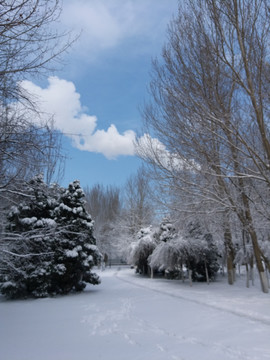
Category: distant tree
[105,206]
[138,210]
[138,207]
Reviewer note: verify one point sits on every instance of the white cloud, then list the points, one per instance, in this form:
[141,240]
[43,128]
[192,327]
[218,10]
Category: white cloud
[151,149]
[110,142]
[105,24]
[61,100]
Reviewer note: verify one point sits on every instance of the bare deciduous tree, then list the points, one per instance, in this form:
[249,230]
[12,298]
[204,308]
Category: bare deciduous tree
[210,109]
[104,205]
[29,42]
[138,208]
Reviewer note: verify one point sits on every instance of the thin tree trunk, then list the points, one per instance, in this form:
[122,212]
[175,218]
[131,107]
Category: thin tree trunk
[247,283]
[247,221]
[206,272]
[267,276]
[252,270]
[228,243]
[229,256]
[260,267]
[190,277]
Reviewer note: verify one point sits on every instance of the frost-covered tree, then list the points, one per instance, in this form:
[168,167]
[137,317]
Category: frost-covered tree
[138,210]
[208,116]
[48,246]
[29,41]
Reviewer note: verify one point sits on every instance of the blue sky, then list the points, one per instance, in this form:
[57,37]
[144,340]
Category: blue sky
[99,90]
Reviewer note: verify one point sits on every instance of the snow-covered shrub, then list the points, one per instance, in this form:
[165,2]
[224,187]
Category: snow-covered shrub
[203,254]
[169,256]
[165,257]
[193,250]
[142,249]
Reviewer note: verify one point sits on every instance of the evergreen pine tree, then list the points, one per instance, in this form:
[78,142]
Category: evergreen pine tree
[49,247]
[75,247]
[28,249]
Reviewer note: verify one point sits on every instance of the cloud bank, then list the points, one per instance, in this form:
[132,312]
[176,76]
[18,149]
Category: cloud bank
[61,101]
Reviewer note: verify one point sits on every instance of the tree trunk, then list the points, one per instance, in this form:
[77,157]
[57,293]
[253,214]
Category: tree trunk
[247,222]
[190,277]
[252,270]
[247,283]
[267,276]
[206,272]
[229,255]
[260,267]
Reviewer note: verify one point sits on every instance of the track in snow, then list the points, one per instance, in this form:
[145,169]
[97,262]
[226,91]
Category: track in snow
[237,312]
[158,325]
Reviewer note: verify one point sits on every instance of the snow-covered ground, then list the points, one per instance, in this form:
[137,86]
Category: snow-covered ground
[129,317]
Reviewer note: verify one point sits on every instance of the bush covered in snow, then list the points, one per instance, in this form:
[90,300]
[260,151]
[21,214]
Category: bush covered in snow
[169,251]
[142,249]
[203,254]
[49,246]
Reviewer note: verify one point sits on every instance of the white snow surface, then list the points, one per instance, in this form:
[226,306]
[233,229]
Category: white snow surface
[136,318]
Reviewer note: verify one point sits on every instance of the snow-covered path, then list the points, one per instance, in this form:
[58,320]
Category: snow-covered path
[129,317]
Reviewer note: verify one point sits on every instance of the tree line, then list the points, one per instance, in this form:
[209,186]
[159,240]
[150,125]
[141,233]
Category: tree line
[120,213]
